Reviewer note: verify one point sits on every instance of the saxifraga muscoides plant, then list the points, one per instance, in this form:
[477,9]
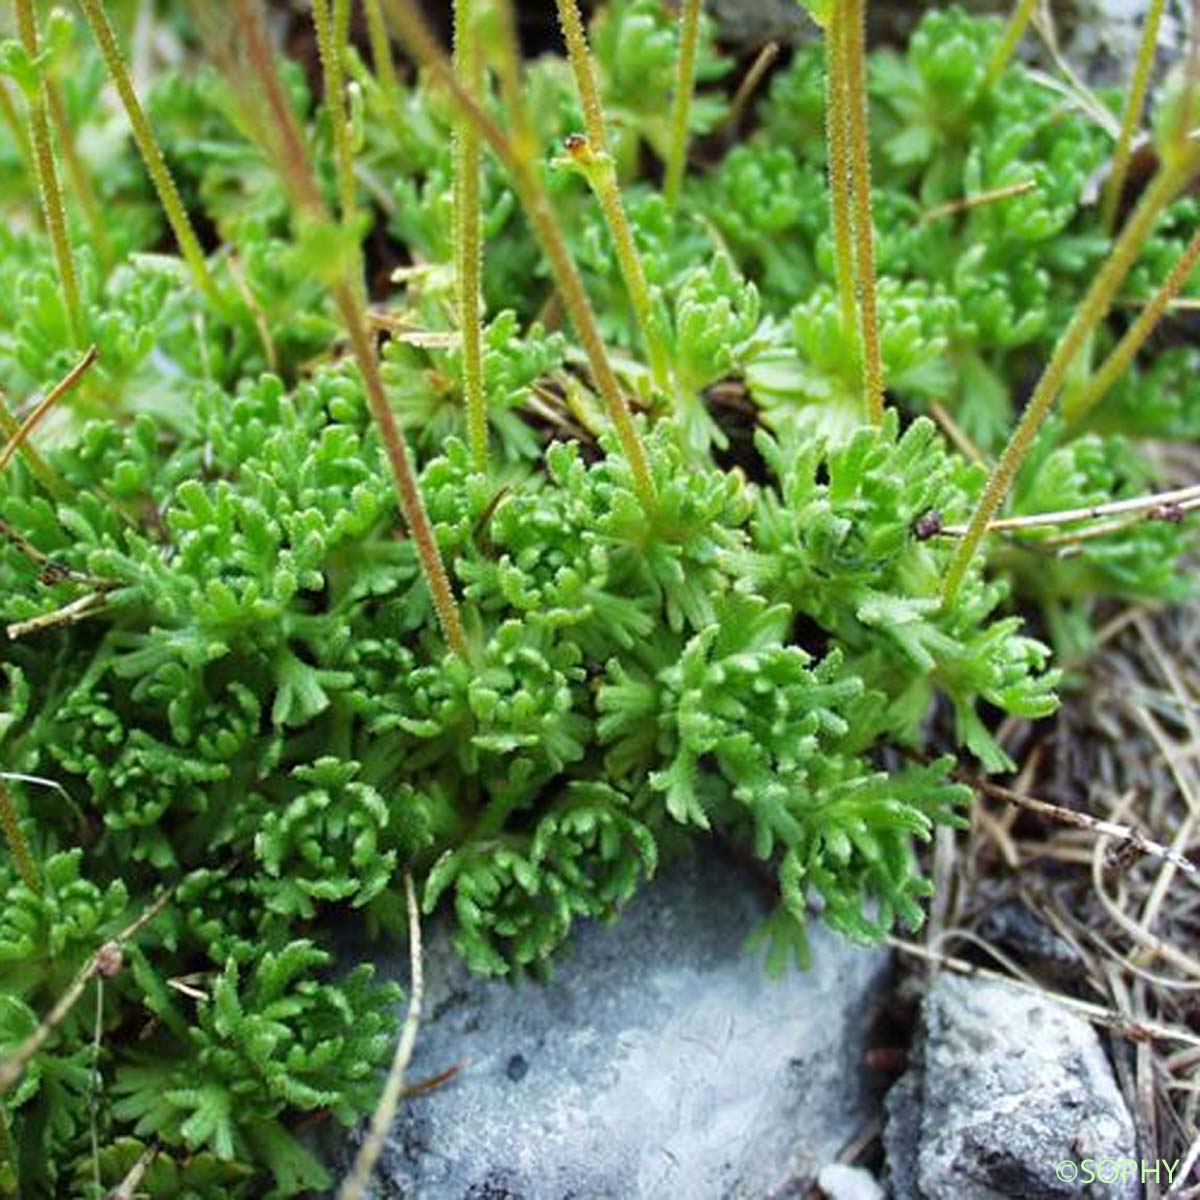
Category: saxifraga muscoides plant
[237,698]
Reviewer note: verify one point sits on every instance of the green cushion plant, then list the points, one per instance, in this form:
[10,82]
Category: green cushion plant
[688,552]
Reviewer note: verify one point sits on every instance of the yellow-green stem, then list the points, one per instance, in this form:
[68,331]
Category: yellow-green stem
[17,845]
[1077,406]
[381,51]
[519,155]
[855,49]
[1013,33]
[81,181]
[681,106]
[10,430]
[1092,310]
[306,199]
[46,170]
[151,152]
[837,137]
[601,174]
[331,48]
[1123,153]
[468,249]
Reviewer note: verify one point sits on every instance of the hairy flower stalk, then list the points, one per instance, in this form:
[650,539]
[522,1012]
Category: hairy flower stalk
[681,107]
[381,51]
[1134,104]
[17,845]
[837,137]
[331,19]
[519,155]
[854,48]
[1022,15]
[1077,405]
[46,171]
[81,182]
[298,175]
[468,228]
[1091,312]
[600,172]
[151,152]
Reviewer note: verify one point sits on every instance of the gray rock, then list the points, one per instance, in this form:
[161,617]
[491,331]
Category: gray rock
[660,1061]
[1005,1085]
[840,1182]
[1105,36]
[748,24]
[1019,930]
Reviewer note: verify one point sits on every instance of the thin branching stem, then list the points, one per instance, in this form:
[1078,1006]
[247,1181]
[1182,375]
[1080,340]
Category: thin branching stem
[1114,188]
[13,1066]
[468,216]
[331,49]
[518,154]
[151,151]
[681,105]
[1078,405]
[355,1184]
[855,49]
[53,209]
[18,846]
[1018,23]
[837,137]
[601,173]
[1092,310]
[298,175]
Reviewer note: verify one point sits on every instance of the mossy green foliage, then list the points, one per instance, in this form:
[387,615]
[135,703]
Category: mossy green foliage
[259,711]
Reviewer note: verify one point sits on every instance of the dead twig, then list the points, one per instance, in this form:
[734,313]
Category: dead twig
[1079,820]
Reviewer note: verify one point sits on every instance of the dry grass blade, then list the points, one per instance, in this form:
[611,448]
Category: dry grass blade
[1098,1014]
[127,1189]
[354,1186]
[65,385]
[979,200]
[750,85]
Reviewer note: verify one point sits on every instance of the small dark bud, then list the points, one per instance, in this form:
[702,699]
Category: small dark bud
[578,147]
[109,960]
[53,574]
[1172,513]
[928,525]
